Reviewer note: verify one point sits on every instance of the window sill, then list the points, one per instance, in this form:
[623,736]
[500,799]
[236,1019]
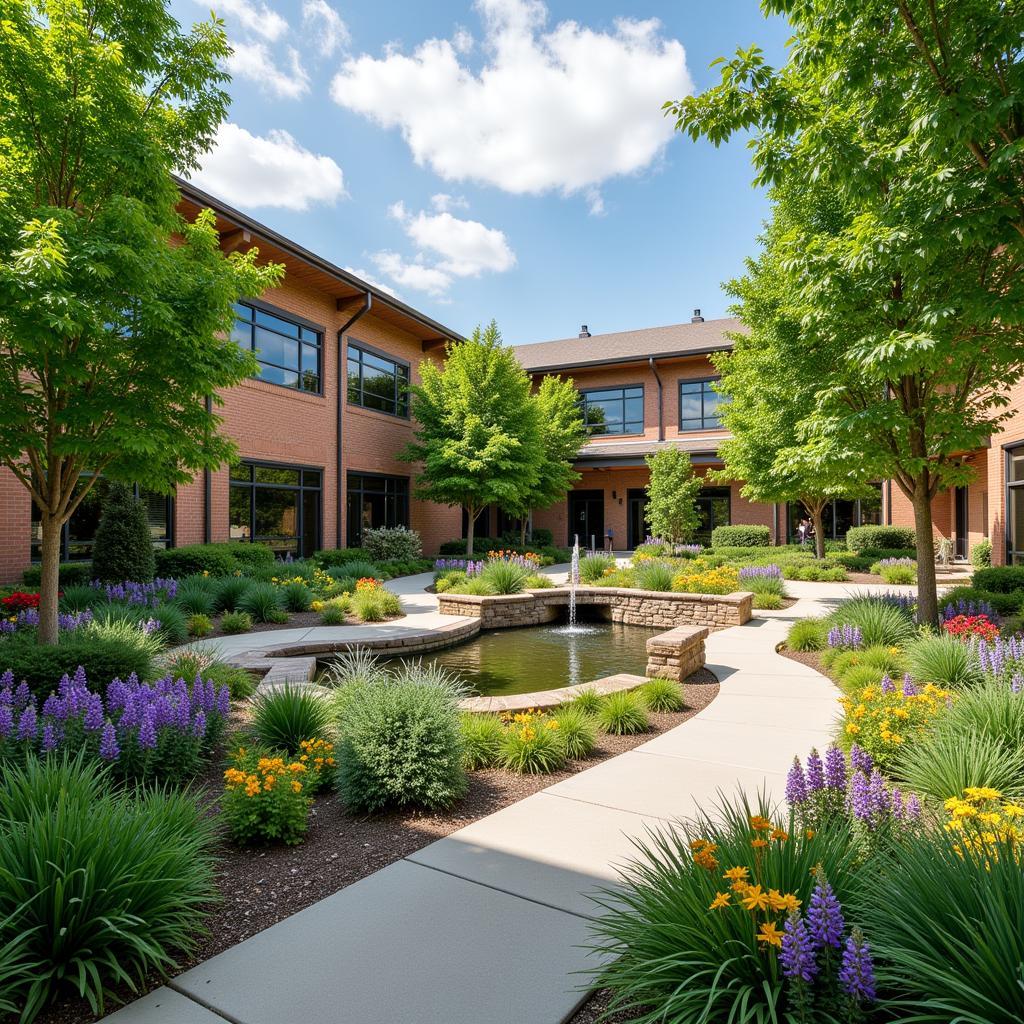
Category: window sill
[354,407]
[269,387]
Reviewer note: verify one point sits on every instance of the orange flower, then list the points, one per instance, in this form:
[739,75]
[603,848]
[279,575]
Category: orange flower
[759,823]
[757,844]
[780,834]
[721,900]
[755,898]
[769,934]
[736,874]
[809,833]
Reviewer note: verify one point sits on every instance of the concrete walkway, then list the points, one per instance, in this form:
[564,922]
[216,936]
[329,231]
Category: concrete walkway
[487,925]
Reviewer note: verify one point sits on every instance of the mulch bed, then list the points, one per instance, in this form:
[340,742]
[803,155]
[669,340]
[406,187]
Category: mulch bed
[811,658]
[262,886]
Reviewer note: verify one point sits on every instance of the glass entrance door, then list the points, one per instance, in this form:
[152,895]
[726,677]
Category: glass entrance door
[960,521]
[636,516]
[586,518]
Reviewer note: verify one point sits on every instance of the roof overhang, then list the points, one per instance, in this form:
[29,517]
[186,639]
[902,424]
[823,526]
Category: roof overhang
[623,360]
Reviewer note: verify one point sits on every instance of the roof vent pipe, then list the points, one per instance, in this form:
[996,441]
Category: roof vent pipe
[584,333]
[696,318]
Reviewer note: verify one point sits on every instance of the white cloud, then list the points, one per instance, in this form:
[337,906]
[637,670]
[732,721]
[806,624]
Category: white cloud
[442,202]
[561,109]
[255,62]
[466,247]
[415,275]
[326,25]
[365,275]
[254,17]
[272,170]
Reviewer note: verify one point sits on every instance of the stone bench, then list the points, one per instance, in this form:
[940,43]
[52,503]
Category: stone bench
[676,654]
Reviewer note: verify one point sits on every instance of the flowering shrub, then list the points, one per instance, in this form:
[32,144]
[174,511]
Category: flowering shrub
[265,798]
[881,718]
[318,757]
[18,602]
[531,744]
[29,619]
[896,570]
[963,627]
[527,560]
[1002,658]
[321,582]
[368,583]
[845,637]
[962,607]
[145,594]
[466,565]
[145,731]
[699,578]
[985,823]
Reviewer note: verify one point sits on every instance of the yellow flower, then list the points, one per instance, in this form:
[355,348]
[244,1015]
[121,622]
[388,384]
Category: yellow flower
[721,900]
[758,844]
[769,934]
[736,874]
[760,823]
[982,793]
[296,786]
[790,902]
[809,833]
[755,898]
[852,729]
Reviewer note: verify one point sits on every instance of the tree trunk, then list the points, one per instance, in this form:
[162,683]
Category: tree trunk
[818,518]
[927,597]
[471,521]
[50,582]
[522,532]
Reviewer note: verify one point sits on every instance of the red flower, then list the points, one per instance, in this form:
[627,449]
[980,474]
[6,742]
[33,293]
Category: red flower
[965,626]
[18,602]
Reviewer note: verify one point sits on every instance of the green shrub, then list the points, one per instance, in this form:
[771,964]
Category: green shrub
[286,715]
[400,742]
[193,559]
[988,709]
[297,596]
[102,654]
[199,625]
[70,574]
[883,660]
[538,581]
[815,572]
[173,624]
[261,601]
[741,537]
[619,578]
[587,700]
[375,604]
[623,713]
[576,730]
[335,611]
[1006,605]
[663,695]
[123,549]
[807,635]
[593,567]
[256,812]
[236,622]
[249,556]
[668,957]
[947,933]
[230,590]
[1000,579]
[767,602]
[945,762]
[195,597]
[505,577]
[858,538]
[481,738]
[105,886]
[448,580]
[944,660]
[857,676]
[392,543]
[339,556]
[653,575]
[897,575]
[78,598]
[197,661]
[880,623]
[981,554]
[533,748]
[474,585]
[361,570]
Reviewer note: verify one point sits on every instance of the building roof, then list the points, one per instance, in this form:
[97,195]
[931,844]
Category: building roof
[621,453]
[687,339]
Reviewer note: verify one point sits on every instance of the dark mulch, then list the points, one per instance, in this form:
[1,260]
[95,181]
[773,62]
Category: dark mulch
[811,658]
[590,1012]
[260,887]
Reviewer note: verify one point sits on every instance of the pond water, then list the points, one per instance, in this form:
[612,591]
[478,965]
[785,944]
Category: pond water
[504,661]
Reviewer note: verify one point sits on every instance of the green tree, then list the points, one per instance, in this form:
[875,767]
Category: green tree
[123,549]
[477,428]
[115,315]
[562,435]
[672,495]
[772,379]
[909,114]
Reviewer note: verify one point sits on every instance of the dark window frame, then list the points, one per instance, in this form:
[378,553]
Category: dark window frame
[401,390]
[1009,487]
[259,306]
[709,495]
[302,488]
[704,416]
[584,392]
[354,525]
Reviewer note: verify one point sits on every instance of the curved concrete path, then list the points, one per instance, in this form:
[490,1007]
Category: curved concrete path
[486,926]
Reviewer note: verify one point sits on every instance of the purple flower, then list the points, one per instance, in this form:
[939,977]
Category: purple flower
[49,741]
[109,750]
[825,916]
[22,695]
[815,772]
[888,686]
[1016,682]
[797,953]
[860,759]
[93,720]
[199,724]
[878,793]
[27,723]
[913,806]
[909,689]
[857,974]
[858,797]
[147,734]
[835,768]
[6,720]
[796,785]
[223,701]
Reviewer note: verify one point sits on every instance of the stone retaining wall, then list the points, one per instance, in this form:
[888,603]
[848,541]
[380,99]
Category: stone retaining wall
[676,654]
[631,607]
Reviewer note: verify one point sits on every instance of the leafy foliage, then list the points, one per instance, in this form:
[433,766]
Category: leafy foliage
[123,549]
[392,542]
[261,601]
[266,798]
[740,537]
[672,495]
[236,622]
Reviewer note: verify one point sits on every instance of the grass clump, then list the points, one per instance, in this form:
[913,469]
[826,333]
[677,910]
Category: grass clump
[946,762]
[195,597]
[532,746]
[577,731]
[504,577]
[807,635]
[374,604]
[230,591]
[335,611]
[262,601]
[593,567]
[663,695]
[297,596]
[286,715]
[623,713]
[767,602]
[236,622]
[199,625]
[880,623]
[653,575]
[587,700]
[482,736]
[944,660]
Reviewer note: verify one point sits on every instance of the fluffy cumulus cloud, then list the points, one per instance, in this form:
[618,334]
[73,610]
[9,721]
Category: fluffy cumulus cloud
[553,108]
[268,170]
[251,15]
[415,274]
[255,62]
[326,26]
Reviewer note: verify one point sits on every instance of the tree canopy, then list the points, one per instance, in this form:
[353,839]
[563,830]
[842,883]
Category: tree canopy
[115,314]
[909,114]
[672,495]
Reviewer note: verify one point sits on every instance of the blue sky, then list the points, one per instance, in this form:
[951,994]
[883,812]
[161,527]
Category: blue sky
[503,158]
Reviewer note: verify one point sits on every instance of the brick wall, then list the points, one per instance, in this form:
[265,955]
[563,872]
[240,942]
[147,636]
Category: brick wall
[15,526]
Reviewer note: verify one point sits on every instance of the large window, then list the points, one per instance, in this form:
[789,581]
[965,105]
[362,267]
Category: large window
[79,533]
[287,350]
[614,410]
[376,381]
[840,514]
[699,404]
[1015,506]
[373,501]
[715,507]
[276,505]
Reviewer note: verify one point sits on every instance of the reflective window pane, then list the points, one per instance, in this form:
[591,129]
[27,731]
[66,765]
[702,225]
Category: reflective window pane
[283,360]
[699,405]
[614,410]
[376,382]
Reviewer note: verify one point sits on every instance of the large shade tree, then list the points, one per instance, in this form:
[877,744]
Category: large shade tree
[772,378]
[115,315]
[909,112]
[478,435]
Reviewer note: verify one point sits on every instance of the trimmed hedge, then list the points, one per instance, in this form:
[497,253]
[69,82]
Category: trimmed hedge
[859,538]
[981,554]
[1004,603]
[72,574]
[1000,579]
[740,537]
[215,559]
[123,548]
[340,556]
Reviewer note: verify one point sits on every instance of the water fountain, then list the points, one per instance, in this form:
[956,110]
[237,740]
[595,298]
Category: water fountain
[571,628]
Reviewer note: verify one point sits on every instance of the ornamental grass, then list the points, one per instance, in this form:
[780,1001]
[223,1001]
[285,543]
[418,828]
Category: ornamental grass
[532,744]
[663,695]
[286,715]
[623,713]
